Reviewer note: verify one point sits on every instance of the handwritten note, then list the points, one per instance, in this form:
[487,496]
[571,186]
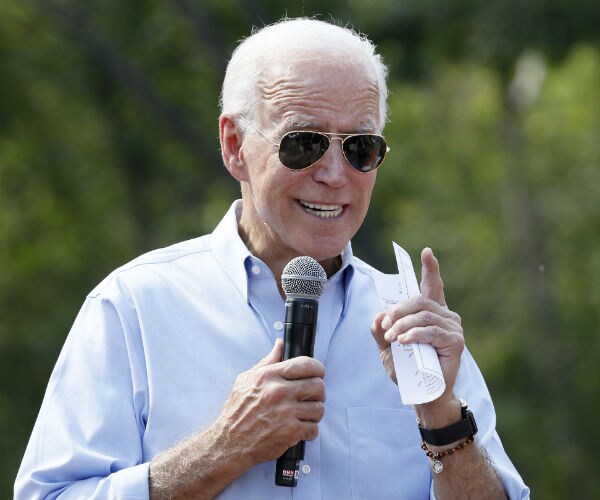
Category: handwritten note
[417,366]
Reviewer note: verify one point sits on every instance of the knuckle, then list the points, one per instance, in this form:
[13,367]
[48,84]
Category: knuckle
[319,411]
[314,391]
[455,317]
[315,367]
[421,301]
[321,388]
[263,376]
[460,341]
[273,394]
[427,317]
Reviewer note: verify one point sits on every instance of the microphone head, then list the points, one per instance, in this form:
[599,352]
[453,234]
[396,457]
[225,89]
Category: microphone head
[303,277]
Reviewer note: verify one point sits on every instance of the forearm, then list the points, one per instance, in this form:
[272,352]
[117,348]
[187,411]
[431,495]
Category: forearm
[270,407]
[199,467]
[467,472]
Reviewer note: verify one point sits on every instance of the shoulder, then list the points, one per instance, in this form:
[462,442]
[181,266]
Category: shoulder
[363,268]
[157,262]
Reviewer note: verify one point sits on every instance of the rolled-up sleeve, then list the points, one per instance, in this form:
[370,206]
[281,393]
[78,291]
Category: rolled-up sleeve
[471,386]
[86,442]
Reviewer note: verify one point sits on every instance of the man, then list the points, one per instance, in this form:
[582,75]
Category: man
[170,384]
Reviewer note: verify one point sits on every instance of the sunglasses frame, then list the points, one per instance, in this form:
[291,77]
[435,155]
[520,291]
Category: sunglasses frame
[330,137]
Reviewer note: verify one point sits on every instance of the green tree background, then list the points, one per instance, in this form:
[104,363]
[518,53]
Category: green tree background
[109,148]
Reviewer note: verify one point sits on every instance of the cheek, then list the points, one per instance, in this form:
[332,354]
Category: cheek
[365,188]
[268,187]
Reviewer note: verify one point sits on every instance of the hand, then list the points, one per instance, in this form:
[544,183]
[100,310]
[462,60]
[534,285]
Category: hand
[274,405]
[425,319]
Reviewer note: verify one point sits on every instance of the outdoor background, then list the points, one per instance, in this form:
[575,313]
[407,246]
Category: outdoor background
[109,148]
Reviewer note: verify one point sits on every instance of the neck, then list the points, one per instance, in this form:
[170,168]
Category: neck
[277,259]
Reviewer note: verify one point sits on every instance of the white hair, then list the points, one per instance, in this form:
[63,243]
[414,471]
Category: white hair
[240,94]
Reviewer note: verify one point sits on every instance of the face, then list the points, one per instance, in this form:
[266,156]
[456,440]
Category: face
[315,211]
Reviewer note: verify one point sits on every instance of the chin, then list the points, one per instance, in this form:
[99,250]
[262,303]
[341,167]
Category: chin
[321,253]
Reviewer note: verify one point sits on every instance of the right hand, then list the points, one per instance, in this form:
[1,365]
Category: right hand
[274,405]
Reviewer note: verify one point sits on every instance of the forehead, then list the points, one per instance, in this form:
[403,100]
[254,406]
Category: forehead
[325,90]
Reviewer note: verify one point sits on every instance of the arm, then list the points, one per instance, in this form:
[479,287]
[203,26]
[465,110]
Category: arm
[87,441]
[270,408]
[427,319]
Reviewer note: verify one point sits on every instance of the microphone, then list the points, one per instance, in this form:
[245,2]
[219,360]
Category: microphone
[303,281]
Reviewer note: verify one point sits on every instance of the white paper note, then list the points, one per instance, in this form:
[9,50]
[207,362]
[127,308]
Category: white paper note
[417,366]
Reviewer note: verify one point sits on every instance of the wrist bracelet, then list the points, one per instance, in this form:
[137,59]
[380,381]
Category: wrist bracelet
[437,466]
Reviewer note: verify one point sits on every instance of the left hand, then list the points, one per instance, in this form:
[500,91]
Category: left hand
[424,319]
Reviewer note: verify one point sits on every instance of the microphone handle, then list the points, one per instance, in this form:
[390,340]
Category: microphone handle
[298,340]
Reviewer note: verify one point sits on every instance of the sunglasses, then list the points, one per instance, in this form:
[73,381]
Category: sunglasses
[300,149]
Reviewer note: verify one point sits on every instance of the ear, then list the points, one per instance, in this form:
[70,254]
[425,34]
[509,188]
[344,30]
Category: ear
[231,139]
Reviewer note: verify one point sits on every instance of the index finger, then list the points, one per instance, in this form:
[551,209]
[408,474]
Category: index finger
[432,285]
[415,305]
[301,367]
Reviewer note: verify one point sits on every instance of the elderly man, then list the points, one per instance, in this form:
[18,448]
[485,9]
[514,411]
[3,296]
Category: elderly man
[171,383]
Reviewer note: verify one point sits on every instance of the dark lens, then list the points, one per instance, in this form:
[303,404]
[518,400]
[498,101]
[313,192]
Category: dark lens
[299,150]
[365,152]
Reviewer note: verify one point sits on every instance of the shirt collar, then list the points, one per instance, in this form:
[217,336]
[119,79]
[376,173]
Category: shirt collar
[346,272]
[232,254]
[229,249]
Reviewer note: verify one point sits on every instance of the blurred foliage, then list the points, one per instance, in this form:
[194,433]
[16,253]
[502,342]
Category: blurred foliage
[109,148]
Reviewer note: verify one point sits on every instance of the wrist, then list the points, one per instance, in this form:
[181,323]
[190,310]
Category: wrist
[448,435]
[439,413]
[228,448]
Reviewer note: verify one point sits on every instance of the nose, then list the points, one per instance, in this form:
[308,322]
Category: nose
[332,168]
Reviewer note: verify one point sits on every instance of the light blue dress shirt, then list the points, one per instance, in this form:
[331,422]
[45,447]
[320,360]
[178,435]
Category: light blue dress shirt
[157,346]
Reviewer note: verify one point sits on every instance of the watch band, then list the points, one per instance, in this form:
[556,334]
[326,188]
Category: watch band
[464,428]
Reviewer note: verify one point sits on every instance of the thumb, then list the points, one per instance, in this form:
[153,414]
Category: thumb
[378,332]
[432,285]
[274,356]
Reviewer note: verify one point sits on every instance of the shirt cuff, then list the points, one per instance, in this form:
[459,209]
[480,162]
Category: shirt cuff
[130,483]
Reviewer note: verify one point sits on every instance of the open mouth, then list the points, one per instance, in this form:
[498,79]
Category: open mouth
[323,211]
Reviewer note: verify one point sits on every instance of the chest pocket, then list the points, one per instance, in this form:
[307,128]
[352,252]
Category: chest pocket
[385,455]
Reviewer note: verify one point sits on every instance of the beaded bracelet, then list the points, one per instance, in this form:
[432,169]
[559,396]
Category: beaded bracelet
[437,466]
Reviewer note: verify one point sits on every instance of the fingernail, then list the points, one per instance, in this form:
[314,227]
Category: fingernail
[386,322]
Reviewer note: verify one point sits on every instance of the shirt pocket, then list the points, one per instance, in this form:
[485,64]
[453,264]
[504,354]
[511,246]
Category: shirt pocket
[386,458]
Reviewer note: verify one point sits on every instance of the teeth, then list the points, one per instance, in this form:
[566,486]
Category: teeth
[323,211]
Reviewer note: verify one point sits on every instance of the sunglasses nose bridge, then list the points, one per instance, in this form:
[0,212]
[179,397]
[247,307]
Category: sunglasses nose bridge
[333,170]
[331,139]
[342,140]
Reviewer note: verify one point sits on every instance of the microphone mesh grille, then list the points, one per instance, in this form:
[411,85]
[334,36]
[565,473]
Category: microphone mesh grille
[303,276]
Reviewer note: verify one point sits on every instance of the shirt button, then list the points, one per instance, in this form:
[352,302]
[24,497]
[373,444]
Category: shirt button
[255,269]
[278,325]
[306,469]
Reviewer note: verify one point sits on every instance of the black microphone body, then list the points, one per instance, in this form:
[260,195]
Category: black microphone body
[298,340]
[303,281]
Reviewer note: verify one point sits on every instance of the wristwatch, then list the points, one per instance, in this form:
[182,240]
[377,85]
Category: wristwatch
[464,428]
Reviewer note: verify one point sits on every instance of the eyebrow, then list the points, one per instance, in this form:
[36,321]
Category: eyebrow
[294,124]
